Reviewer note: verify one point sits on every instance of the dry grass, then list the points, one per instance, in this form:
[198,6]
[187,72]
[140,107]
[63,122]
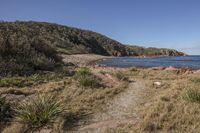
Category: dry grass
[163,108]
[80,103]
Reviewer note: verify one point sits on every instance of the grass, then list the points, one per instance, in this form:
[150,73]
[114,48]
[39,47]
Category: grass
[39,112]
[83,72]
[86,79]
[192,95]
[121,76]
[21,81]
[195,79]
[89,81]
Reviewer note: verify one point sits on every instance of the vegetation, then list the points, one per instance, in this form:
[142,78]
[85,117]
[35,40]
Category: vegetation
[28,47]
[39,112]
[86,79]
[121,76]
[21,81]
[195,79]
[192,95]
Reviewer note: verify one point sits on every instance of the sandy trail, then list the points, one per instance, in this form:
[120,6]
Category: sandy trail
[121,110]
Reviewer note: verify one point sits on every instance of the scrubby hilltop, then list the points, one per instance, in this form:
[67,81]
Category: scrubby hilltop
[29,46]
[72,40]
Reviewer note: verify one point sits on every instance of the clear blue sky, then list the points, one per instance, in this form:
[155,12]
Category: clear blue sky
[158,23]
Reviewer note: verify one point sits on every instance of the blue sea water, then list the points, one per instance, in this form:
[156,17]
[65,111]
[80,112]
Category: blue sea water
[192,62]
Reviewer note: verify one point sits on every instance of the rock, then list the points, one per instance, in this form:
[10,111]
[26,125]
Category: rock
[14,98]
[157,83]
[158,68]
[171,68]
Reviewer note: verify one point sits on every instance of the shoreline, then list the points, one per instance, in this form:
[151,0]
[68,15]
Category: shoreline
[83,60]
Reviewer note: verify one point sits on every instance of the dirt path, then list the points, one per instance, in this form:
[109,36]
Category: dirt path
[121,110]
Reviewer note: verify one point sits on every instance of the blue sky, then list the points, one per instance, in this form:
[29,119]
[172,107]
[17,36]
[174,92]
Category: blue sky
[150,23]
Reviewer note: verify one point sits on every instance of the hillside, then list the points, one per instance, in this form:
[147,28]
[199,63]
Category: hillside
[72,40]
[142,51]
[26,47]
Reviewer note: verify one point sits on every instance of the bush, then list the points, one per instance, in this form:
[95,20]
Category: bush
[195,79]
[86,79]
[192,95]
[121,76]
[82,72]
[39,111]
[17,58]
[89,81]
[5,110]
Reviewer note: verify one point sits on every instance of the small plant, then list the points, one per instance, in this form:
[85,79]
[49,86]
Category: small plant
[86,79]
[192,95]
[5,110]
[83,72]
[133,69]
[39,111]
[121,76]
[195,79]
[102,72]
[89,81]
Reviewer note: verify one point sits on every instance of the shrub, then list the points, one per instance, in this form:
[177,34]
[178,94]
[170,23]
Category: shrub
[133,69]
[86,79]
[195,79]
[121,76]
[39,111]
[82,72]
[5,110]
[192,95]
[89,81]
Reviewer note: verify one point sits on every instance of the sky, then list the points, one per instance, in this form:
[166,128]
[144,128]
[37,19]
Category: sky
[149,23]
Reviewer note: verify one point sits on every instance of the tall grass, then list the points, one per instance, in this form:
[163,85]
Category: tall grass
[192,95]
[39,112]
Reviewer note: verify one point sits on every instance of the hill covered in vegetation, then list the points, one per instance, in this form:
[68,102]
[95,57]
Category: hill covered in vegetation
[30,46]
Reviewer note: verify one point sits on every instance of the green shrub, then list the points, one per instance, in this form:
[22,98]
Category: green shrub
[5,110]
[121,76]
[195,79]
[89,81]
[133,69]
[82,72]
[192,95]
[86,79]
[39,111]
[102,72]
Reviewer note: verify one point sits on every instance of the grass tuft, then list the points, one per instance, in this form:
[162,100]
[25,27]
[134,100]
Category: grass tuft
[121,76]
[195,79]
[86,79]
[39,111]
[192,95]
